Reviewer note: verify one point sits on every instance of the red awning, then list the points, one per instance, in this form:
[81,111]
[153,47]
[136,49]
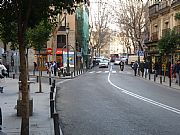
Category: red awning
[59,51]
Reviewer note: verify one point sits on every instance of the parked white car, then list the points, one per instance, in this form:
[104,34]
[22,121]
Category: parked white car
[103,63]
[117,61]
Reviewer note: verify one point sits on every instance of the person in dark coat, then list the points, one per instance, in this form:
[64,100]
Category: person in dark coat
[156,68]
[135,66]
[176,70]
[146,68]
[121,65]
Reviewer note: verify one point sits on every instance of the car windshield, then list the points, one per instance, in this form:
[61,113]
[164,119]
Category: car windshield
[103,61]
[117,59]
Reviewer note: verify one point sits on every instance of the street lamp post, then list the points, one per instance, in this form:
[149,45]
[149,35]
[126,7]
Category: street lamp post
[67,49]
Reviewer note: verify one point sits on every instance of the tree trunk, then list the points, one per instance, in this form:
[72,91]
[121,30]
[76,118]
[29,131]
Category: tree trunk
[25,92]
[23,78]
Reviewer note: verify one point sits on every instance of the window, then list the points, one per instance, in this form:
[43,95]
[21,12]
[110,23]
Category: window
[61,41]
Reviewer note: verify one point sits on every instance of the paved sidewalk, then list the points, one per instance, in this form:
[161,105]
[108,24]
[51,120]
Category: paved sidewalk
[165,80]
[40,122]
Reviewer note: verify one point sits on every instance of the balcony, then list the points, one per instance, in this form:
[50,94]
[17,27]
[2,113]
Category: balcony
[175,3]
[62,28]
[153,11]
[154,36]
[164,7]
[164,31]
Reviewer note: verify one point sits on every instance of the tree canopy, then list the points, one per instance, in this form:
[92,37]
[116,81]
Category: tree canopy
[168,43]
[28,14]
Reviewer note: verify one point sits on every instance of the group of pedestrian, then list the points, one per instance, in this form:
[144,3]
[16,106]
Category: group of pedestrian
[53,67]
[143,67]
[172,69]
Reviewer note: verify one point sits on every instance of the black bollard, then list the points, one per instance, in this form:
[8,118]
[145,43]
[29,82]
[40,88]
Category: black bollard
[53,84]
[0,119]
[51,107]
[51,95]
[13,76]
[56,124]
[160,79]
[154,77]
[49,80]
[37,79]
[52,89]
[149,76]
[170,81]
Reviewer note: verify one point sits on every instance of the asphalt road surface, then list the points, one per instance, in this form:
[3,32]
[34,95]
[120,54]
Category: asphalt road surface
[106,101]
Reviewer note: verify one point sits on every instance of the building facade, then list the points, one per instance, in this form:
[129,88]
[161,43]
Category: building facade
[162,18]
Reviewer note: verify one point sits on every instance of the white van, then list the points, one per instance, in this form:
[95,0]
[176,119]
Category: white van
[133,58]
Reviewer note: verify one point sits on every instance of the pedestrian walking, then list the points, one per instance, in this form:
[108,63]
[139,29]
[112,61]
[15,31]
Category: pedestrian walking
[121,65]
[176,70]
[135,66]
[54,66]
[35,67]
[141,67]
[146,68]
[3,74]
[156,68]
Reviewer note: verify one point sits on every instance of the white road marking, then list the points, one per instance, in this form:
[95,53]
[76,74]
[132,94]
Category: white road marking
[172,109]
[91,72]
[62,81]
[106,71]
[98,71]
[113,71]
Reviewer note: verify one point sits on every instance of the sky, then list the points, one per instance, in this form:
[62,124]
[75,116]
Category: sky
[111,6]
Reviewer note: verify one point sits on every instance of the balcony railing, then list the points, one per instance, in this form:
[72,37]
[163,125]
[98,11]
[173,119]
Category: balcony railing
[164,6]
[154,36]
[175,3]
[153,10]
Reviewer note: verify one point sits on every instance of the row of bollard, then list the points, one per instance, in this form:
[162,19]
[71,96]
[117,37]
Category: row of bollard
[162,79]
[53,114]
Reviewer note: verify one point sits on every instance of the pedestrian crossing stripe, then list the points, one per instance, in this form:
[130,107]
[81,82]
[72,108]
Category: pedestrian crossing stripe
[99,72]
[113,71]
[106,71]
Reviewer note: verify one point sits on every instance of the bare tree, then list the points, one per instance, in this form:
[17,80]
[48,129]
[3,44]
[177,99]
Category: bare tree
[99,32]
[131,21]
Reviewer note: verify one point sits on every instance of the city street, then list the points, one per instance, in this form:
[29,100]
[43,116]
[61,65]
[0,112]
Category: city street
[106,101]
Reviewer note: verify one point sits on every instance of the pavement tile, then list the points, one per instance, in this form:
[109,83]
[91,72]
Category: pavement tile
[40,122]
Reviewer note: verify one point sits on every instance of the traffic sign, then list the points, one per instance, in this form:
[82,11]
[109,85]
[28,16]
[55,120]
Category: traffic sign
[141,53]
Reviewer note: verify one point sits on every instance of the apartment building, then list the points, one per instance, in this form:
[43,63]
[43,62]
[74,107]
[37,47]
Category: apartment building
[162,18]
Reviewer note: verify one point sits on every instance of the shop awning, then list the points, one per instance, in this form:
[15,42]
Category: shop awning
[59,51]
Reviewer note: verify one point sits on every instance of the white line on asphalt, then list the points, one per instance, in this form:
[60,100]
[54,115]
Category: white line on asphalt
[63,81]
[106,71]
[91,72]
[113,71]
[172,109]
[98,71]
